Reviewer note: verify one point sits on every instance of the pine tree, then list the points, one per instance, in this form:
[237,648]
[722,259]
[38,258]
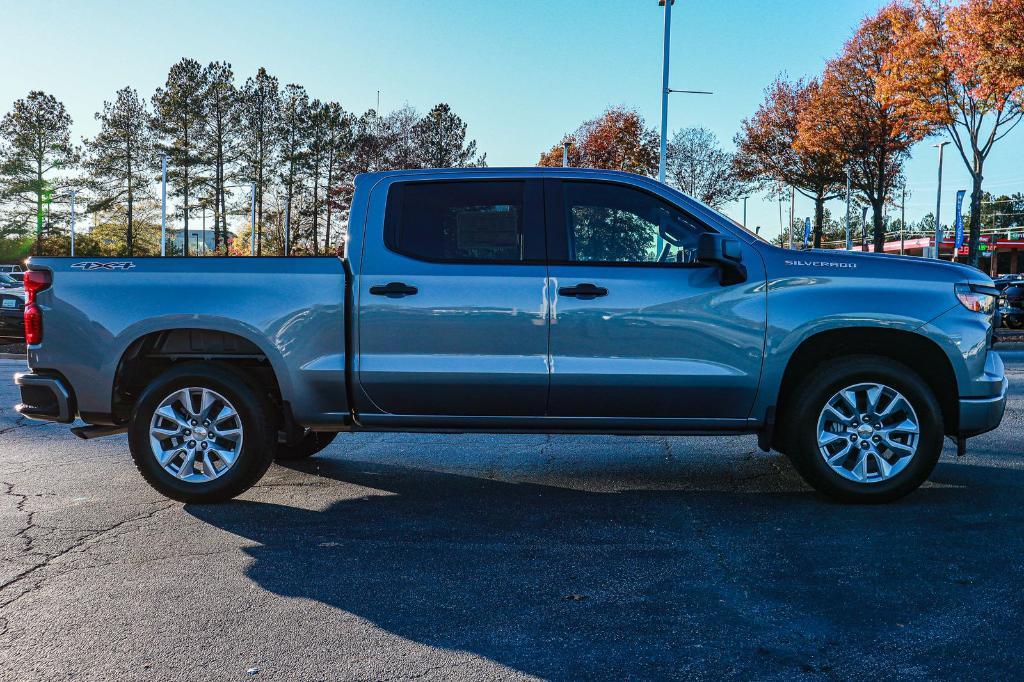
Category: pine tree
[35,141]
[292,129]
[317,136]
[339,146]
[223,121]
[179,115]
[440,139]
[119,159]
[260,113]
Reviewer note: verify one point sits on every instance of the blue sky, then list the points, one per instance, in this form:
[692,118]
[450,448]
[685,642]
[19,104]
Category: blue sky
[521,73]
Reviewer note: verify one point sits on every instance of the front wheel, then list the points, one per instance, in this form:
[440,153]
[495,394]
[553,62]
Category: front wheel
[864,429]
[201,433]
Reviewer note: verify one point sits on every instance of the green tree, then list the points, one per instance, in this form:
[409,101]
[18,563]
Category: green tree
[222,103]
[35,142]
[119,159]
[440,139]
[339,127]
[179,119]
[260,108]
[293,128]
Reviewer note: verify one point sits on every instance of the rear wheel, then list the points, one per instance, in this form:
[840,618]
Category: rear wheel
[312,442]
[864,429]
[201,433]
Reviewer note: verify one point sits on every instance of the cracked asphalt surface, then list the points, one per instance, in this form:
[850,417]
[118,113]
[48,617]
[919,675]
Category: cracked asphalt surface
[486,557]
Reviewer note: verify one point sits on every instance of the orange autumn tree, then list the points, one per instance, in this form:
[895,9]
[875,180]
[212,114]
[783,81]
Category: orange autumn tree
[857,118]
[618,139]
[767,149]
[961,67]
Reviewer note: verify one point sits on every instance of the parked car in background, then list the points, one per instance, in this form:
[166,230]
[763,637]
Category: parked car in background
[1011,306]
[12,314]
[519,300]
[15,271]
[8,282]
[1003,281]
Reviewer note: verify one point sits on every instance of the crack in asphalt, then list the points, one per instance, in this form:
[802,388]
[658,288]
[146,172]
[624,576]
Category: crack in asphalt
[48,558]
[22,423]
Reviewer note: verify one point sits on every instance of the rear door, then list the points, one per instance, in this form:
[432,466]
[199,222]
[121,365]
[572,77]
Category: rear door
[639,328]
[453,316]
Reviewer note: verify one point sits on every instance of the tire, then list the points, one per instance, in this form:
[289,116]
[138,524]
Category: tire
[312,443]
[249,437]
[873,483]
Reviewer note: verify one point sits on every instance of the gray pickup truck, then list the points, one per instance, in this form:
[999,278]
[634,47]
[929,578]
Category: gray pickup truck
[518,300]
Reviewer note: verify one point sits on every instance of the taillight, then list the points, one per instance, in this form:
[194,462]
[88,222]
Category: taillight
[34,282]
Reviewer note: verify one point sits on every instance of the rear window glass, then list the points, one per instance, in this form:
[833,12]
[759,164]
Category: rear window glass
[457,221]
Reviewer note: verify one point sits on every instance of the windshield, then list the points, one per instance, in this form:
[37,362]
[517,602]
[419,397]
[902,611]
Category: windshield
[8,281]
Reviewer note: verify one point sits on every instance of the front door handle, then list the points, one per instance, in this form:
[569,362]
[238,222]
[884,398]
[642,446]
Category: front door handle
[394,290]
[585,291]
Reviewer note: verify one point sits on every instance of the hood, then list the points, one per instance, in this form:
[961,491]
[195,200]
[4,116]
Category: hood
[837,262]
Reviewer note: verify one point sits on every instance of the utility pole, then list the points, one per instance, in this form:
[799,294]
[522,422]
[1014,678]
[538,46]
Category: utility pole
[252,235]
[163,205]
[287,229]
[792,209]
[73,193]
[744,211]
[565,155]
[938,201]
[204,230]
[849,182]
[903,219]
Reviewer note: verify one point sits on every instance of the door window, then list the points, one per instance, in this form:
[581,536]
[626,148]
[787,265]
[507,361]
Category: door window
[615,224]
[464,221]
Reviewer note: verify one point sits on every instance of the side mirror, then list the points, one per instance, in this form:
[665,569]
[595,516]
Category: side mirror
[724,253]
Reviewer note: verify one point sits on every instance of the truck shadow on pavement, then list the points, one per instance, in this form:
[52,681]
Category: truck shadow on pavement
[563,583]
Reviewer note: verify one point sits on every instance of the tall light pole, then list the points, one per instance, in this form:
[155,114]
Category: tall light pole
[73,193]
[163,205]
[744,211]
[252,235]
[792,213]
[849,182]
[938,200]
[664,88]
[903,219]
[565,155]
[287,229]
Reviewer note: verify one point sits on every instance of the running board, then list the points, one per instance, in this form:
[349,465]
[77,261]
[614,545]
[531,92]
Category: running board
[97,431]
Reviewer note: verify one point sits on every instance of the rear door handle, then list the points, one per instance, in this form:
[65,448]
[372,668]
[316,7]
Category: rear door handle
[394,290]
[585,291]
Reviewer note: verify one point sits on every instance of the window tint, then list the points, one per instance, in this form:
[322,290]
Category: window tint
[457,221]
[615,224]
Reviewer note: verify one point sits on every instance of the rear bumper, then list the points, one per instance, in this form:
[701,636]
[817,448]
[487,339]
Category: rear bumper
[45,398]
[983,413]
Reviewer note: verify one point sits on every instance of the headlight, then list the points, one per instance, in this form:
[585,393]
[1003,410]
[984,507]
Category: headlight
[977,297]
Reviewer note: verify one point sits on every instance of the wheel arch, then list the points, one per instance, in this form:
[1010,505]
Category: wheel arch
[146,353]
[921,354]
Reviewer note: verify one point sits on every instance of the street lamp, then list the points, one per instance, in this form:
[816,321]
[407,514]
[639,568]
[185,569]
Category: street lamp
[938,200]
[666,90]
[163,205]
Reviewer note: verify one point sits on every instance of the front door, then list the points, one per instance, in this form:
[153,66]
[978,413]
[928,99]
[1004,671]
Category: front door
[452,305]
[639,329]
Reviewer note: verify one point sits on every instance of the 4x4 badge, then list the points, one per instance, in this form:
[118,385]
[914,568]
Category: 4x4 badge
[114,265]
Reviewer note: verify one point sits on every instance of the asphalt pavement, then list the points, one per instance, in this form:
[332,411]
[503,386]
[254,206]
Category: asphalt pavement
[494,557]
